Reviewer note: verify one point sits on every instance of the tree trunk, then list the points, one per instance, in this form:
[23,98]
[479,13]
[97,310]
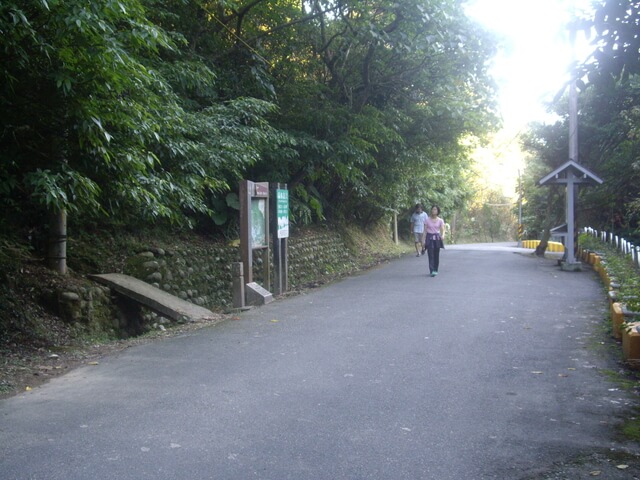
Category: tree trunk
[454,231]
[550,221]
[57,251]
[544,242]
[396,240]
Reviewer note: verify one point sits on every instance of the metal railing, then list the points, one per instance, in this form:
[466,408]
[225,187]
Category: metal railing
[624,246]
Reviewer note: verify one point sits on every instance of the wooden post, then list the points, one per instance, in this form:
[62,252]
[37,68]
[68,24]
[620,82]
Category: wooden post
[395,228]
[266,251]
[57,251]
[279,244]
[246,254]
[238,284]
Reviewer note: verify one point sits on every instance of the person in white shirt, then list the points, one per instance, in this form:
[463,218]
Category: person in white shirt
[418,219]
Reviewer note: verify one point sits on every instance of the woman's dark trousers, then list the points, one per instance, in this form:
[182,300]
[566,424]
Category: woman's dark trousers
[433,252]
[433,244]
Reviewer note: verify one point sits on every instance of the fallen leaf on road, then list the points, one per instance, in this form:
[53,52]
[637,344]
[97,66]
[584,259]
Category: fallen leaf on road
[622,467]
[563,375]
[275,321]
[595,473]
[537,373]
[28,389]
[93,363]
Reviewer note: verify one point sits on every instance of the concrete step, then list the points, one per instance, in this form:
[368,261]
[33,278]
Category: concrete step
[157,300]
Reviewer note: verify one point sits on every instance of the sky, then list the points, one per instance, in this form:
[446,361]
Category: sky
[532,64]
[531,68]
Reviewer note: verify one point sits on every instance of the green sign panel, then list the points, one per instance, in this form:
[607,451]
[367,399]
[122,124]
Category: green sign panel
[282,212]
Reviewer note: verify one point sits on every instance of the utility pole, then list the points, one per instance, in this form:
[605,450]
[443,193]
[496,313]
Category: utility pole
[572,190]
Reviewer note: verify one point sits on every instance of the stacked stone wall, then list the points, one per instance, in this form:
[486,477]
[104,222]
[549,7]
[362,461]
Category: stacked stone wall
[199,273]
[202,274]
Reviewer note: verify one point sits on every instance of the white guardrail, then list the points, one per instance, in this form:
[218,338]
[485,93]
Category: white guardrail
[620,243]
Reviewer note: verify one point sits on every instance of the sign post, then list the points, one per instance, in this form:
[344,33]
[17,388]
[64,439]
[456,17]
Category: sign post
[280,196]
[254,235]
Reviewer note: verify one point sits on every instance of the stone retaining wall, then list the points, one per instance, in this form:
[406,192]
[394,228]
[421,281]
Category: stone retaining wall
[202,274]
[199,273]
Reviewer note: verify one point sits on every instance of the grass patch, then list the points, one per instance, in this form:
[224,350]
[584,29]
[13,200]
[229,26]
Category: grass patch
[628,381]
[631,428]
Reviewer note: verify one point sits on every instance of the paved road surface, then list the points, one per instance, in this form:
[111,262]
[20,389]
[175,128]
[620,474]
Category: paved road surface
[493,369]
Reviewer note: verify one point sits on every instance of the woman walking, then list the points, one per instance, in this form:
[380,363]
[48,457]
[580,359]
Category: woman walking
[434,226]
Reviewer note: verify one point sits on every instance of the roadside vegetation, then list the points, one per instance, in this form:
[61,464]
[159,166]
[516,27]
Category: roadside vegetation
[626,279]
[620,267]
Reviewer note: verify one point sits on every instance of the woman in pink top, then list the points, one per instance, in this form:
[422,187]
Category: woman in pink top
[434,227]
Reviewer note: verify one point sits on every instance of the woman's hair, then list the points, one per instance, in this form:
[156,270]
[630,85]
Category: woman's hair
[436,207]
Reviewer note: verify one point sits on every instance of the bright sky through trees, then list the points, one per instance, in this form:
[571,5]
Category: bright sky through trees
[531,68]
[532,64]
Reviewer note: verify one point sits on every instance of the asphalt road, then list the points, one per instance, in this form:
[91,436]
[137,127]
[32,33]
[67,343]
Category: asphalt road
[493,369]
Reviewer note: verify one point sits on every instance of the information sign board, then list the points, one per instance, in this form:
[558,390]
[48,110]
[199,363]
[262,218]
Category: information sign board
[282,212]
[258,222]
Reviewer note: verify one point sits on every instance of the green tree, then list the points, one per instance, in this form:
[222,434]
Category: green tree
[609,120]
[609,123]
[617,56]
[105,112]
[393,88]
[543,207]
[154,109]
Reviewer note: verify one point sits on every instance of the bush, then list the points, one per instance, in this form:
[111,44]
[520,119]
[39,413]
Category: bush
[619,266]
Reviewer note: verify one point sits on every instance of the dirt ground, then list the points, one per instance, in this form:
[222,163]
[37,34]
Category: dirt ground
[606,465]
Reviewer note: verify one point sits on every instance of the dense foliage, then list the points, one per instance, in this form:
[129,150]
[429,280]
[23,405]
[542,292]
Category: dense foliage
[153,110]
[608,131]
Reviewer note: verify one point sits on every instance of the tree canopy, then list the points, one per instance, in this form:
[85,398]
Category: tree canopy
[153,110]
